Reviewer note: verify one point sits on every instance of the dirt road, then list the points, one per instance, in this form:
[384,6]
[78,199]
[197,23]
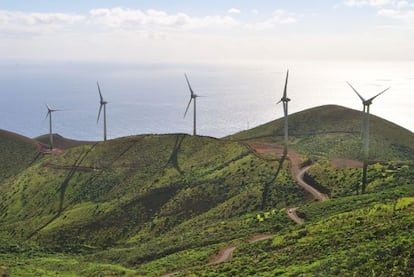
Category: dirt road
[291,212]
[316,194]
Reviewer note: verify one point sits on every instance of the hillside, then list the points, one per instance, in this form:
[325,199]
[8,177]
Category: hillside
[154,204]
[139,191]
[335,131]
[17,153]
[61,142]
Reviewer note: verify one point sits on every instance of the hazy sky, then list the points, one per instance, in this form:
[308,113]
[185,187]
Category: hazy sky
[215,30]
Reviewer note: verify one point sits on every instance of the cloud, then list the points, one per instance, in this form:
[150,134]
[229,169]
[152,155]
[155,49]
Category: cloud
[406,16]
[133,19]
[378,3]
[36,23]
[234,11]
[373,3]
[254,11]
[279,17]
[15,23]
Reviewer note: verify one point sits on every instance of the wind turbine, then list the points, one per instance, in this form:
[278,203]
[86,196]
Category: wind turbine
[102,104]
[192,96]
[49,114]
[366,103]
[285,101]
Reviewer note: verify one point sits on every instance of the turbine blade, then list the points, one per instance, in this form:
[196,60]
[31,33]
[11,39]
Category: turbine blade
[362,98]
[47,114]
[279,102]
[47,107]
[99,90]
[186,110]
[286,82]
[99,113]
[189,86]
[372,98]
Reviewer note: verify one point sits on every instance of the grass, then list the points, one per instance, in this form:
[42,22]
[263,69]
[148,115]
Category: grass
[17,153]
[146,205]
[334,131]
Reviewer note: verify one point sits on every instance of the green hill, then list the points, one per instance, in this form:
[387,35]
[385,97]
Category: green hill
[151,204]
[335,131]
[61,142]
[17,152]
[138,189]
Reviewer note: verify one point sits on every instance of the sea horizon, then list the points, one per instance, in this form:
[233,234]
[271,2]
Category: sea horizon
[151,98]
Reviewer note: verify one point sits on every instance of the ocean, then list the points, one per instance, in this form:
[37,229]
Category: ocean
[151,98]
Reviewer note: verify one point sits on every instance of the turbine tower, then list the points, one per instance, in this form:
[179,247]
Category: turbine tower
[285,101]
[102,104]
[366,104]
[192,96]
[49,114]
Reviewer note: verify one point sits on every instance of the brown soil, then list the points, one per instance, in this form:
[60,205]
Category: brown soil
[259,237]
[45,150]
[291,212]
[343,163]
[266,150]
[224,255]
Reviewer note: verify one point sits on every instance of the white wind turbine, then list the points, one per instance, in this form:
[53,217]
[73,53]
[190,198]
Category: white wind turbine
[49,114]
[194,97]
[366,103]
[102,104]
[285,101]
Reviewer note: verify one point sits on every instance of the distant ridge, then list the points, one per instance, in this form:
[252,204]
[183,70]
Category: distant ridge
[16,153]
[62,142]
[14,136]
[336,131]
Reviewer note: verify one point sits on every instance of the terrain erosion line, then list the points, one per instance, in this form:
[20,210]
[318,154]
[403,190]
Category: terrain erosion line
[315,193]
[225,254]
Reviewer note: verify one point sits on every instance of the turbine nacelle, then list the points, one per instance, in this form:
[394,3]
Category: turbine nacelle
[367,102]
[285,99]
[50,110]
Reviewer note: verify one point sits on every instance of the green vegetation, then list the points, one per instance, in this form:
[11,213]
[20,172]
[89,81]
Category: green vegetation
[152,204]
[368,241]
[136,199]
[335,131]
[17,152]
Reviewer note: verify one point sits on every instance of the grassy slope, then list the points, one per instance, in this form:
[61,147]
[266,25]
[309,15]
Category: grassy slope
[139,197]
[335,131]
[17,152]
[373,238]
[61,142]
[151,204]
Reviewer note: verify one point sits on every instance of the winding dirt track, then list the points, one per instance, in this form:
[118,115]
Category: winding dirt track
[315,193]
[261,150]
[224,255]
[294,216]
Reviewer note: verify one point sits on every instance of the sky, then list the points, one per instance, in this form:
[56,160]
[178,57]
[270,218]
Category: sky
[160,31]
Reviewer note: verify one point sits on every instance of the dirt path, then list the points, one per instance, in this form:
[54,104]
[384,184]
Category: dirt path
[259,237]
[291,212]
[268,151]
[316,194]
[263,150]
[224,255]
